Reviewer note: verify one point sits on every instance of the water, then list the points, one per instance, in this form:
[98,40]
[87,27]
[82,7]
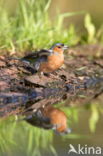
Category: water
[23,139]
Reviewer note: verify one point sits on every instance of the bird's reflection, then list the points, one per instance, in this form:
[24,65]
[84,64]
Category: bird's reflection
[49,117]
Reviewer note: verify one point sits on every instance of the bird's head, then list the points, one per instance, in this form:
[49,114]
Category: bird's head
[59,47]
[60,131]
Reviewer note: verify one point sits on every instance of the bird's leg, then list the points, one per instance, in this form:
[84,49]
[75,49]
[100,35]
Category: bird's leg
[47,74]
[55,126]
[50,75]
[53,76]
[40,74]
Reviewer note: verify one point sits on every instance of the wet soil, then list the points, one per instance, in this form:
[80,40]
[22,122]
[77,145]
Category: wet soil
[81,77]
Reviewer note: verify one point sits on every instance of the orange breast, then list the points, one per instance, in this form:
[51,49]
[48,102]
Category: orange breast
[53,63]
[57,117]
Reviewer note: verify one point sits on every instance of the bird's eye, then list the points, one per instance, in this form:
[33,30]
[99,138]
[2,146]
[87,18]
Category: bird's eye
[59,47]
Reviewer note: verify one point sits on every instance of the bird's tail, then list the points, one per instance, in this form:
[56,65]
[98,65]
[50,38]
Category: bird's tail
[14,58]
[27,64]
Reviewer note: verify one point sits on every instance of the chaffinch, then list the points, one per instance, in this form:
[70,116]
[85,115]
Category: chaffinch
[50,118]
[47,61]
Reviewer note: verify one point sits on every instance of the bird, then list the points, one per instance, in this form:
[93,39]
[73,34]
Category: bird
[47,61]
[50,117]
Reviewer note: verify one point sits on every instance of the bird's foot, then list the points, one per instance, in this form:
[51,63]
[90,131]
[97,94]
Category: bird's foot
[41,74]
[51,75]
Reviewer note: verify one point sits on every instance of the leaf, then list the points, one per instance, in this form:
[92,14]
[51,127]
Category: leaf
[94,117]
[90,28]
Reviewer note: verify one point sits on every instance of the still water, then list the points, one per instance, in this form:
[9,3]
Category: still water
[22,139]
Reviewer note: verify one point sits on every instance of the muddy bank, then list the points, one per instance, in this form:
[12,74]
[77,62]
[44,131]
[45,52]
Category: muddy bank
[81,77]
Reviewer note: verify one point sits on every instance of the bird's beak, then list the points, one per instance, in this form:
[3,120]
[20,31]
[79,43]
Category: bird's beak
[65,47]
[68,130]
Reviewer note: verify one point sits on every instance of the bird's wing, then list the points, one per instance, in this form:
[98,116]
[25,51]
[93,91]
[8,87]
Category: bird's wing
[44,52]
[38,54]
[37,57]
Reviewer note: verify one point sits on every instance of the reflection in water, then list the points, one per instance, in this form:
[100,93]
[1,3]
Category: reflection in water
[50,118]
[23,139]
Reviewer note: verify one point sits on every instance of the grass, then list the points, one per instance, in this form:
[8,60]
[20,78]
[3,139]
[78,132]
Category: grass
[20,138]
[31,27]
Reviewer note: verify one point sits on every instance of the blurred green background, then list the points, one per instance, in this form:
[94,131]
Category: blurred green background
[31,24]
[94,7]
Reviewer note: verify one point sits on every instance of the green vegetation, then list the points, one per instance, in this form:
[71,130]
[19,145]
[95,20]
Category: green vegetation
[18,137]
[93,35]
[33,140]
[31,28]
